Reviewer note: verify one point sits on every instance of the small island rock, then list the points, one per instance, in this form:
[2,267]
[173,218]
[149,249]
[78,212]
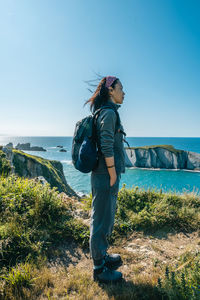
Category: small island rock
[62,150]
[27,147]
[9,145]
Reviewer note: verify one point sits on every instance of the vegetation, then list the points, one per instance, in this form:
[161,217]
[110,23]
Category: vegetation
[35,220]
[5,166]
[148,211]
[138,209]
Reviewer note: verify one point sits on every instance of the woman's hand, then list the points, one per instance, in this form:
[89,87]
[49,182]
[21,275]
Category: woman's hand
[111,169]
[113,179]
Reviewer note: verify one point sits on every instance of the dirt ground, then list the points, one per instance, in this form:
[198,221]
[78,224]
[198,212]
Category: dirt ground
[145,257]
[140,254]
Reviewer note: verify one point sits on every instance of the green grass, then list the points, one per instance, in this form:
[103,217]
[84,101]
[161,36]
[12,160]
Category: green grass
[183,283]
[33,219]
[5,166]
[138,209]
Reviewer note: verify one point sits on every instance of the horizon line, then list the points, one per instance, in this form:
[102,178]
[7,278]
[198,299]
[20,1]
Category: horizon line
[72,136]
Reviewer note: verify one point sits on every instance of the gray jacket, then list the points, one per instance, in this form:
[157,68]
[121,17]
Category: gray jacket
[111,143]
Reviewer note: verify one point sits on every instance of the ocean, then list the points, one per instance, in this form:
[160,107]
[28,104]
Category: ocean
[178,181]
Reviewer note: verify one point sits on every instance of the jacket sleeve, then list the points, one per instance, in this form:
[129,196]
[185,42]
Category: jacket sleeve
[107,131]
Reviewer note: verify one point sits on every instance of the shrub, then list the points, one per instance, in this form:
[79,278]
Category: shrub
[33,218]
[5,166]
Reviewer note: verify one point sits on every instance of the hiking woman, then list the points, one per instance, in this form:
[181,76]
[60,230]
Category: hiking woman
[106,176]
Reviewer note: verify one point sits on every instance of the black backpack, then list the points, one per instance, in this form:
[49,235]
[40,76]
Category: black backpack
[84,144]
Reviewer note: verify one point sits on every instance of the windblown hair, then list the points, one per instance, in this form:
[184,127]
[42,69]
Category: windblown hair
[100,96]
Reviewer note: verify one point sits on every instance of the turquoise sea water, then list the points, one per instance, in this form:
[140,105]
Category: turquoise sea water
[176,180]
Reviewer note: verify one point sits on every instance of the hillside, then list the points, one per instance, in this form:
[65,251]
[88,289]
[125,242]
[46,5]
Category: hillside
[44,244]
[32,166]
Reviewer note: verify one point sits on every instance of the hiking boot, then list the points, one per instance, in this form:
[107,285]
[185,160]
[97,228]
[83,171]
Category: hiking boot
[106,275]
[113,261]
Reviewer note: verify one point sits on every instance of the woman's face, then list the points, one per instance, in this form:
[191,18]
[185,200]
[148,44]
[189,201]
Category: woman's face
[117,93]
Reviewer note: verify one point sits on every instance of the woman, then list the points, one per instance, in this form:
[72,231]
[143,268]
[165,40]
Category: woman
[106,176]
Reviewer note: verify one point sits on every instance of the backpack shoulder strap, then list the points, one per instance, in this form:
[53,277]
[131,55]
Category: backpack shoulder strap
[97,112]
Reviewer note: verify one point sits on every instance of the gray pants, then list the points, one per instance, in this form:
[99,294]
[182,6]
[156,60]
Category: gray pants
[104,199]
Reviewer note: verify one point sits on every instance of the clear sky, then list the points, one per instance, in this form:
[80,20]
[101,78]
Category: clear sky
[49,48]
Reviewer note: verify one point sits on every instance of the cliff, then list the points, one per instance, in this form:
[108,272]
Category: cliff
[162,156]
[31,166]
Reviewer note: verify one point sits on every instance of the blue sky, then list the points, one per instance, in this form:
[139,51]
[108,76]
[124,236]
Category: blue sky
[49,48]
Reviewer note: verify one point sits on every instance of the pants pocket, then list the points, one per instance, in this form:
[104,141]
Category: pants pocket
[115,188]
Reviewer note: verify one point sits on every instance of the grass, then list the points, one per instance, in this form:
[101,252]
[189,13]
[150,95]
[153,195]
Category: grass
[182,283]
[138,209]
[5,166]
[35,221]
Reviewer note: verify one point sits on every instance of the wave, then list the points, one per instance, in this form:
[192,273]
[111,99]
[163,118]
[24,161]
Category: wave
[81,194]
[137,168]
[193,171]
[51,147]
[68,162]
[162,169]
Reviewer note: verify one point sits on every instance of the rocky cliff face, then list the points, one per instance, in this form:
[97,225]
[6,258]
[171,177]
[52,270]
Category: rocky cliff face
[162,156]
[31,166]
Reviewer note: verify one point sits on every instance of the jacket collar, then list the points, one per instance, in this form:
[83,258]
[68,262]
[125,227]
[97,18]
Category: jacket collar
[114,105]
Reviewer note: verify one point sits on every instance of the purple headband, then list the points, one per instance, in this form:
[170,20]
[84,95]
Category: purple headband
[110,80]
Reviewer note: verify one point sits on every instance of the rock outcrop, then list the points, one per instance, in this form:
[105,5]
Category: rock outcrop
[28,147]
[9,145]
[31,166]
[162,156]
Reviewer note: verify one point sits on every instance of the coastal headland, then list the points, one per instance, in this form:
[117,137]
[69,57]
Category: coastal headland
[162,157]
[44,238]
